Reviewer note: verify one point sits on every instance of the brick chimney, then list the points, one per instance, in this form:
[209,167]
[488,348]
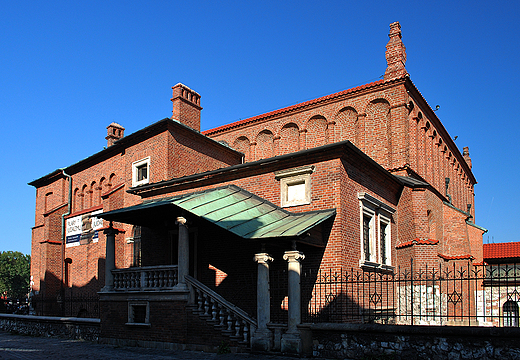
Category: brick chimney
[395,54]
[114,133]
[465,154]
[186,106]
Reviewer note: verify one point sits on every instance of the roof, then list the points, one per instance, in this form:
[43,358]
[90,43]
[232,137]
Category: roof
[231,208]
[417,241]
[411,182]
[127,141]
[342,149]
[291,108]
[502,250]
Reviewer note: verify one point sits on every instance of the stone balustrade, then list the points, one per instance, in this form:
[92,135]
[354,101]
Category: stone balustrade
[145,278]
[231,320]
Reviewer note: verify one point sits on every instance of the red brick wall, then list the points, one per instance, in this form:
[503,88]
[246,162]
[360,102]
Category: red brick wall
[375,120]
[98,185]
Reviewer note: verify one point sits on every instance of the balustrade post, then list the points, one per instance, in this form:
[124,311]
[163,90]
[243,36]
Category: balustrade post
[262,337]
[291,340]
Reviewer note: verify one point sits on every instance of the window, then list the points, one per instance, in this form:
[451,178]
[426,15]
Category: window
[138,313]
[295,186]
[510,311]
[375,226]
[136,241]
[141,172]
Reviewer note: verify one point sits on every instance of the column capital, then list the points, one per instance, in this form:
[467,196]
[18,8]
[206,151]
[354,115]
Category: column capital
[110,230]
[262,258]
[293,255]
[181,220]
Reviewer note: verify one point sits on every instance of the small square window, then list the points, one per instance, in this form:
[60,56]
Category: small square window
[138,313]
[295,186]
[141,172]
[296,191]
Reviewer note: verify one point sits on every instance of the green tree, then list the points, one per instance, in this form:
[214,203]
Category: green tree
[15,272]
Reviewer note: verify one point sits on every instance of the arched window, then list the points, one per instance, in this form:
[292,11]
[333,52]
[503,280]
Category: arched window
[510,312]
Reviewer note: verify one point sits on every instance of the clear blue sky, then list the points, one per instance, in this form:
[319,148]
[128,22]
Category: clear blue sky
[70,68]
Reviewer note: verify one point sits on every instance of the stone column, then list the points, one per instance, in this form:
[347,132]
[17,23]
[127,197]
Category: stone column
[262,338]
[291,340]
[110,257]
[183,262]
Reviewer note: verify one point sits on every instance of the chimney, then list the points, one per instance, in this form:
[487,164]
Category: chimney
[186,106]
[465,154]
[395,54]
[114,133]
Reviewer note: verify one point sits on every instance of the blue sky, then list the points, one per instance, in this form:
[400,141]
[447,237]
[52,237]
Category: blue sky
[70,68]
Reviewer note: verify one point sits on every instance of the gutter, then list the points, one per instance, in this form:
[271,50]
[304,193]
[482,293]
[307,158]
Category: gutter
[69,210]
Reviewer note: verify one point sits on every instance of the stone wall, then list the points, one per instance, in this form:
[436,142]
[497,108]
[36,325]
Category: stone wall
[72,328]
[371,341]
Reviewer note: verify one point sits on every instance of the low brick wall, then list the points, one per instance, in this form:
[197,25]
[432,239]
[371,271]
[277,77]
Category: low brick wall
[367,341]
[71,328]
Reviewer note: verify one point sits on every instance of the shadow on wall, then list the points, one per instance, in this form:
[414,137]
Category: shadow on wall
[68,301]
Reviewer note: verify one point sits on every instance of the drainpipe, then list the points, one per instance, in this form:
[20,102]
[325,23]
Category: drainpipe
[69,209]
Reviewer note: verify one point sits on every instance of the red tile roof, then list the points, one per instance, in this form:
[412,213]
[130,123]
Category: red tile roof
[456,257]
[289,108]
[502,250]
[417,242]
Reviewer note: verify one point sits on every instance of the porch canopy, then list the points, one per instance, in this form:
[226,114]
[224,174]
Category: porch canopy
[229,207]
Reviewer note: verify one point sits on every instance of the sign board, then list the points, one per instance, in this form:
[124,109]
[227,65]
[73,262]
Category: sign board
[83,229]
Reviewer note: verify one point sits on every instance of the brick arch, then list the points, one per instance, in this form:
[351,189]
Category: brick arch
[316,132]
[101,189]
[243,145]
[264,145]
[289,138]
[347,125]
[77,200]
[377,124]
[83,195]
[111,181]
[91,194]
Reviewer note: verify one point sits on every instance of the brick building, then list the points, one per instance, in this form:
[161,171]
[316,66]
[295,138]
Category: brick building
[502,275]
[168,220]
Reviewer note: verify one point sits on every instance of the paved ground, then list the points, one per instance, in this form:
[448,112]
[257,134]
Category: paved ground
[25,347]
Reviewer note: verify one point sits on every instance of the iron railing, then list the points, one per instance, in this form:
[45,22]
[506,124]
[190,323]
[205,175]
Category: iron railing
[443,295]
[82,306]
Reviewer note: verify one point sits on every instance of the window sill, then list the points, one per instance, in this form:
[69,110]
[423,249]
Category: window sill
[295,203]
[376,267]
[138,324]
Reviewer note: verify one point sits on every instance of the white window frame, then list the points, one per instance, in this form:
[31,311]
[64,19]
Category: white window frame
[379,214]
[135,166]
[385,219]
[291,177]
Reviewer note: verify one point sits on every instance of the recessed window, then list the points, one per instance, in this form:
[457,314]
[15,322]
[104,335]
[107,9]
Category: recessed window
[141,172]
[510,311]
[138,313]
[296,191]
[375,226]
[295,186]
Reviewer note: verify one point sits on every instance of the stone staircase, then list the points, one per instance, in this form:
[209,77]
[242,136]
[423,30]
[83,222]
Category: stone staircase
[231,321]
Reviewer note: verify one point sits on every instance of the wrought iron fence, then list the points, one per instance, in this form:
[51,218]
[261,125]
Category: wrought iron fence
[83,306]
[443,295]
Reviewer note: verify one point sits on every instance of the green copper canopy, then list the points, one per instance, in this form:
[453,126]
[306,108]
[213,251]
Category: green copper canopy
[231,208]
